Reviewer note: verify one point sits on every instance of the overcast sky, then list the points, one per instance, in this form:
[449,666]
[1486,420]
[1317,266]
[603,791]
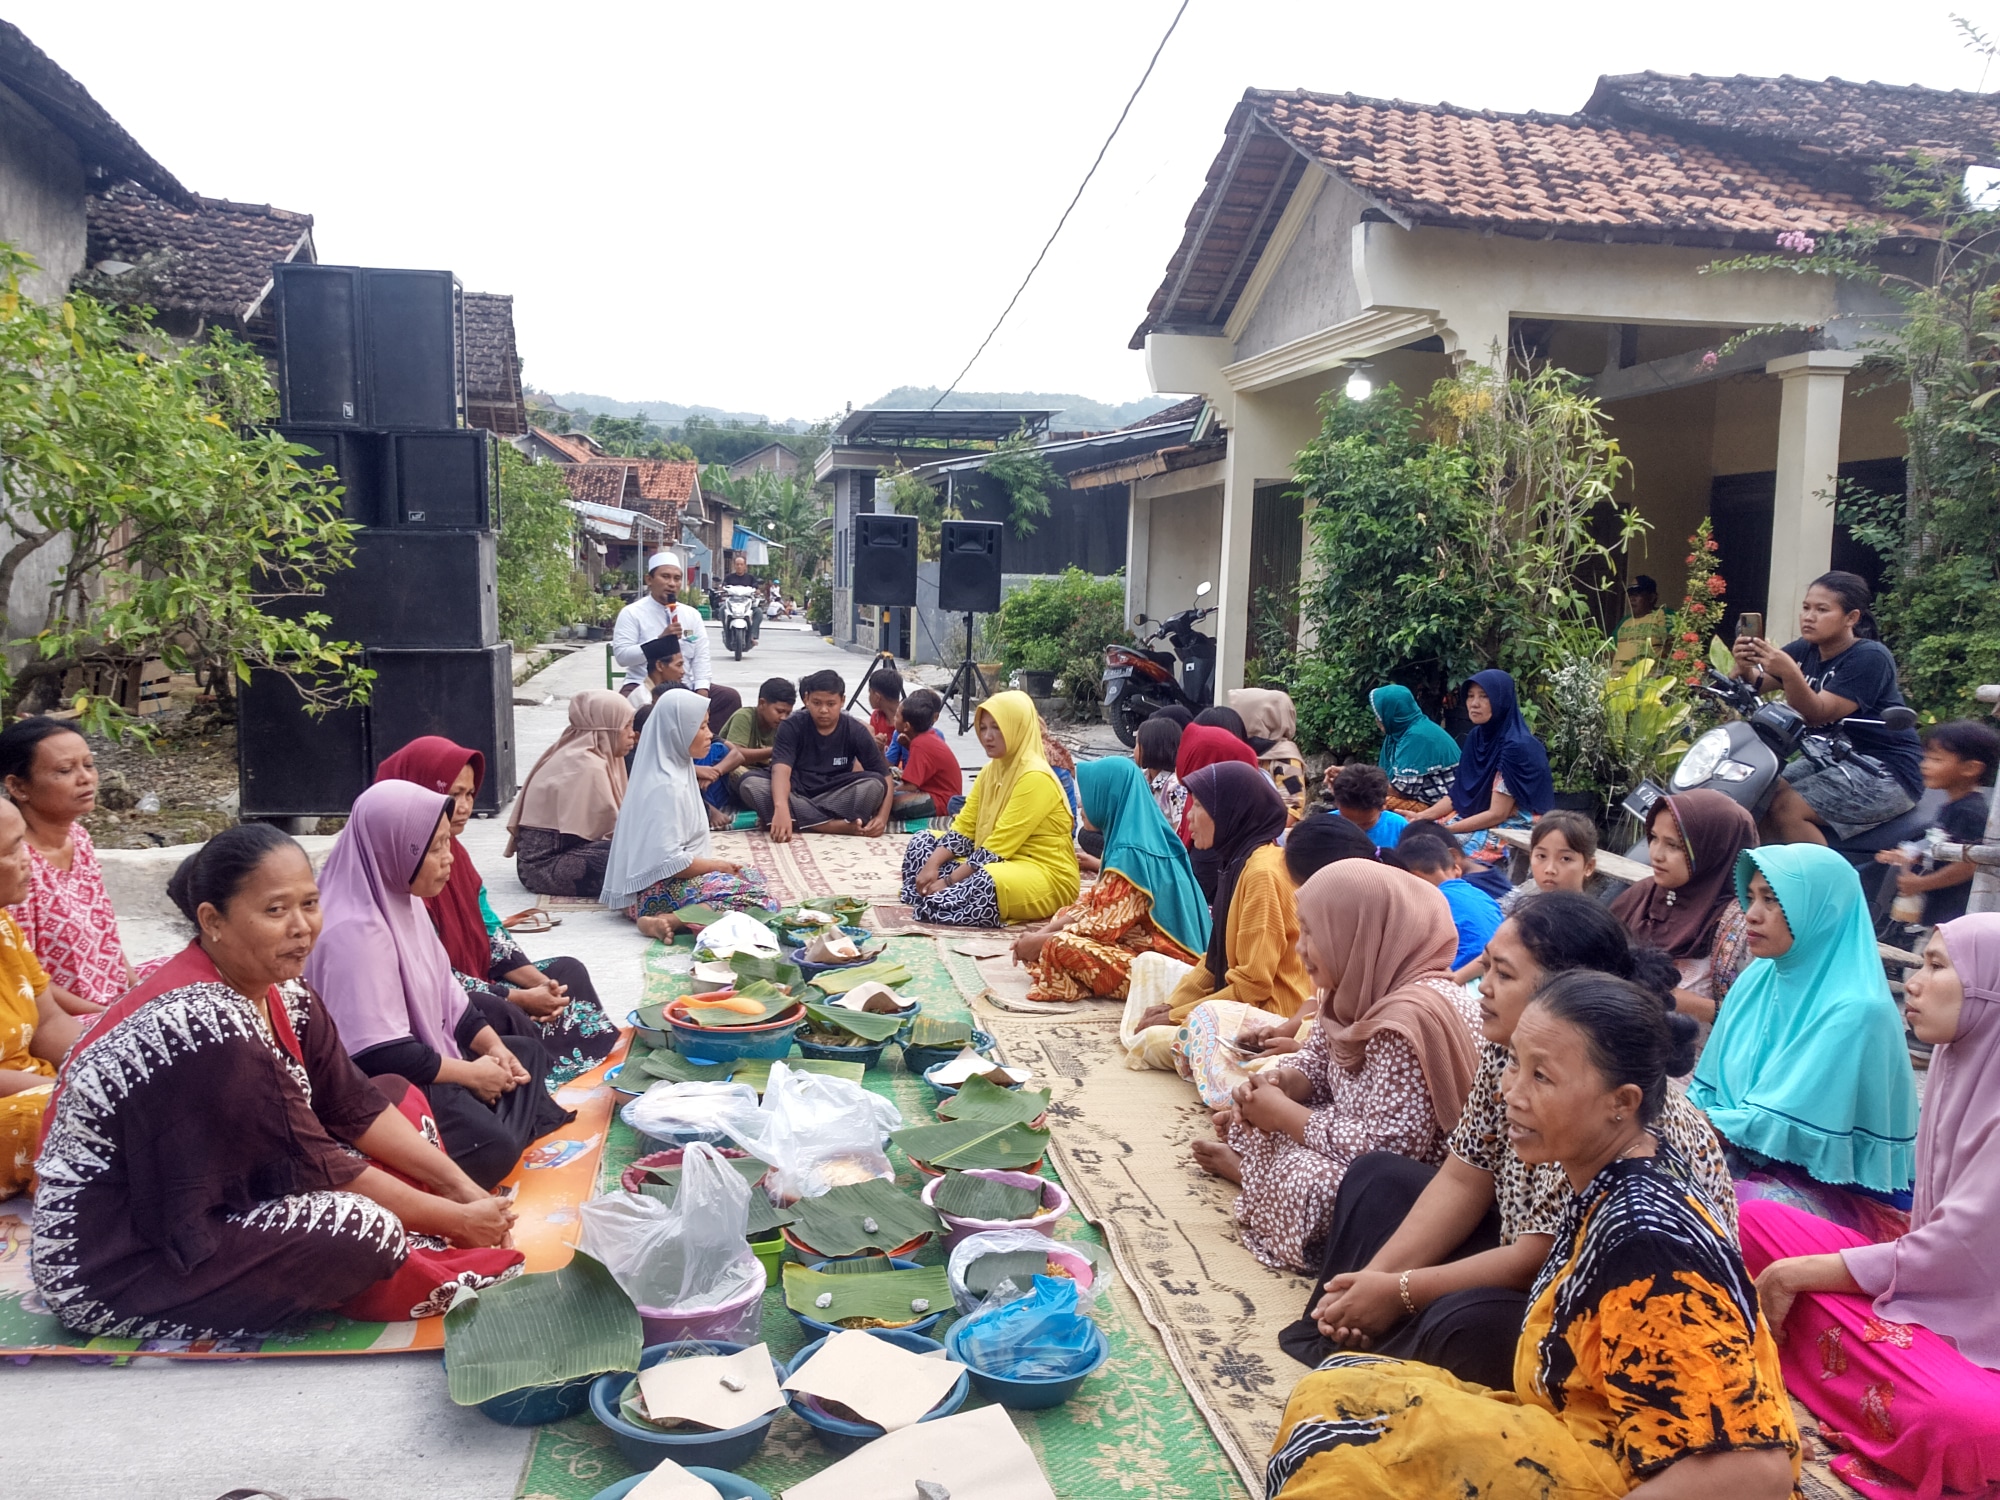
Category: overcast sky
[785,208]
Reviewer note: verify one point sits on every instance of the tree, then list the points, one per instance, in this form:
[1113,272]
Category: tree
[188,526]
[540,587]
[1023,472]
[787,508]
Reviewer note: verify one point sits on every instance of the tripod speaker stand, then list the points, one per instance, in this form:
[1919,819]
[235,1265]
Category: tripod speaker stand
[968,683]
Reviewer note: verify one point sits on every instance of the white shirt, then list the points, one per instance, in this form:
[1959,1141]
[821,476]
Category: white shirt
[644,620]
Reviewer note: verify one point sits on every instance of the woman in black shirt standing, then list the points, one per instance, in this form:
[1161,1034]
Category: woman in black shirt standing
[1836,668]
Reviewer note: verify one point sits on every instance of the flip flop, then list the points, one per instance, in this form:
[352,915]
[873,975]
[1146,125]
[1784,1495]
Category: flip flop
[534,919]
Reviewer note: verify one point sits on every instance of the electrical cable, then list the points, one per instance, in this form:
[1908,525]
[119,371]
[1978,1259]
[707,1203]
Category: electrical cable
[1067,211]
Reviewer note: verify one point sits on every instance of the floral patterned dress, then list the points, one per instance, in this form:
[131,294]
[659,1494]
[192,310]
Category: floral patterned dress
[1092,957]
[68,921]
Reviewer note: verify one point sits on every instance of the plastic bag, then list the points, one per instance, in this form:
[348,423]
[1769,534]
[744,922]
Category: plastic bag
[734,933]
[685,1112]
[684,1258]
[816,1132]
[999,1242]
[1042,1336]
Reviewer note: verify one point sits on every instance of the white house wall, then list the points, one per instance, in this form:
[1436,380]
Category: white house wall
[1313,286]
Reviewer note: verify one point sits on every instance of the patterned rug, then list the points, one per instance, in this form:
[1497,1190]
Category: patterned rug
[821,864]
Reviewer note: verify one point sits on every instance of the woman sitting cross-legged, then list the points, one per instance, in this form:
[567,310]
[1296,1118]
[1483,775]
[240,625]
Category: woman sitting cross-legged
[1503,778]
[1387,1069]
[1145,901]
[662,855]
[1269,721]
[556,994]
[1461,1243]
[1897,1346]
[1419,758]
[36,1030]
[215,1166]
[1010,855]
[1644,1365]
[386,980]
[559,833]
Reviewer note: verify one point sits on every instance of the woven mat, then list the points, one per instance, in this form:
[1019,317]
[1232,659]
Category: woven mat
[821,864]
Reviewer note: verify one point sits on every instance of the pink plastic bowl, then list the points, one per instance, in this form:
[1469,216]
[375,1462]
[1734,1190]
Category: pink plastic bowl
[727,1322]
[1055,1203]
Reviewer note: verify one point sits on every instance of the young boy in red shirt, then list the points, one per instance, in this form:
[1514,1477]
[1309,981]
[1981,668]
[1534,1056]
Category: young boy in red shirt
[928,763]
[885,701]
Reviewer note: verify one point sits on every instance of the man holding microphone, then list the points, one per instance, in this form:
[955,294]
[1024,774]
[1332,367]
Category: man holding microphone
[658,612]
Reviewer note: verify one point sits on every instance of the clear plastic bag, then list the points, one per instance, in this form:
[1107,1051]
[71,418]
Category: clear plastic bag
[733,932]
[816,1132]
[684,1112]
[685,1258]
[1044,1335]
[999,1242]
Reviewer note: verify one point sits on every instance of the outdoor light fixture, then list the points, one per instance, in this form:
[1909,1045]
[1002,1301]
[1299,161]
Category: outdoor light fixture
[1359,386]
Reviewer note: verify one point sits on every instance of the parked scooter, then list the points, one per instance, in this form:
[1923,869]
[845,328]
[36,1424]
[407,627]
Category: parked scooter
[739,617]
[1139,681]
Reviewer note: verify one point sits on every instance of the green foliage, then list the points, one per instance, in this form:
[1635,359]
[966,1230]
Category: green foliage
[787,508]
[540,586]
[912,497]
[1701,609]
[1274,620]
[182,518]
[1062,625]
[1020,468]
[636,437]
[1645,727]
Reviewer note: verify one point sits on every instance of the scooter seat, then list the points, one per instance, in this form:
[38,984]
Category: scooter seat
[1913,824]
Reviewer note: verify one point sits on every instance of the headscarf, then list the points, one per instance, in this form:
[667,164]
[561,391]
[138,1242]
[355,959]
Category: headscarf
[578,784]
[1222,716]
[1502,745]
[378,965]
[433,762]
[1383,930]
[722,705]
[1139,845]
[1943,1272]
[663,823]
[1270,715]
[1021,728]
[1248,814]
[1807,1063]
[1207,745]
[1412,745]
[1681,923]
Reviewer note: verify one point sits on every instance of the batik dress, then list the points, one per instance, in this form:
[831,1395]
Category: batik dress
[1092,957]
[1643,1345]
[21,980]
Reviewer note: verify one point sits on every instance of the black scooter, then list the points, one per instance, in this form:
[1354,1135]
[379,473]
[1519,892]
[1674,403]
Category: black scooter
[1140,681]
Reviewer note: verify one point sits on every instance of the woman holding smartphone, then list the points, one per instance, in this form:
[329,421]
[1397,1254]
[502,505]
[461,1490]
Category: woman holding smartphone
[1836,669]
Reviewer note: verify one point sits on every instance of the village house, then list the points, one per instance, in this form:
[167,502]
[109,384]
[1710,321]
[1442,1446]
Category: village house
[664,495]
[1339,234]
[493,366]
[772,458]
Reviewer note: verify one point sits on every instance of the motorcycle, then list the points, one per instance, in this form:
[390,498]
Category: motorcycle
[739,607]
[1141,680]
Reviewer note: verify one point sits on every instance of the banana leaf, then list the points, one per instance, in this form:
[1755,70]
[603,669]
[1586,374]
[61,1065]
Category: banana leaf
[982,1099]
[835,1223]
[972,1143]
[540,1330]
[1017,1266]
[748,1168]
[664,1062]
[879,1300]
[698,915]
[771,1000]
[756,1071]
[840,981]
[984,1199]
[752,966]
[762,1218]
[870,1025]
[938,1031]
[849,909]
[868,1263]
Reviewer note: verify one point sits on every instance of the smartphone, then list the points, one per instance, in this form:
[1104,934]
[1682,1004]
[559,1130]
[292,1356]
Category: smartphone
[1749,624]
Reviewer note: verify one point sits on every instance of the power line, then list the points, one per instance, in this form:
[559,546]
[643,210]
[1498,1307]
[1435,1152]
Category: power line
[1067,211]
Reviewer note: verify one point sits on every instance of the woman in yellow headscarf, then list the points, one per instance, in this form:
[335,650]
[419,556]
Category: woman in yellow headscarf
[1008,856]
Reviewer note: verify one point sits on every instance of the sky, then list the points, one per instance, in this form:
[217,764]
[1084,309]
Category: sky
[787,208]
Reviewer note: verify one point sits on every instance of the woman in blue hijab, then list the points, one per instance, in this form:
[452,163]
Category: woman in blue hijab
[1503,778]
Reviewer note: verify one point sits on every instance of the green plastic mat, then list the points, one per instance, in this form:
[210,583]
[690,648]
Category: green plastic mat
[1131,1431]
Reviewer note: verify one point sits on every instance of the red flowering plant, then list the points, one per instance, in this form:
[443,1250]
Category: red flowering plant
[1701,610]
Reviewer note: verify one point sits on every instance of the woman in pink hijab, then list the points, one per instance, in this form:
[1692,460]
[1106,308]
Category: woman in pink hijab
[1896,1346]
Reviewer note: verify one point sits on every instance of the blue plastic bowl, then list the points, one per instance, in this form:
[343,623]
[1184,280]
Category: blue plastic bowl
[716,1044]
[728,1485]
[836,1434]
[616,1078]
[923,1059]
[653,1034]
[644,1447]
[1027,1395]
[539,1404]
[868,1054]
[946,1090]
[922,1325]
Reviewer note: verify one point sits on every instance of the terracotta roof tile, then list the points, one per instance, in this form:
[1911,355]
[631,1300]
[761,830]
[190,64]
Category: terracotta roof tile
[492,366]
[601,482]
[221,253]
[578,450]
[107,150]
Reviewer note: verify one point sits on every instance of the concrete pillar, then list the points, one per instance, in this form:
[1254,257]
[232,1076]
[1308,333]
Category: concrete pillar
[1815,384]
[1138,552]
[1263,442]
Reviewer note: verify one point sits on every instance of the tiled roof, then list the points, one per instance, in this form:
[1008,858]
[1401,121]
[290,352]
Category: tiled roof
[1823,118]
[220,253]
[107,151]
[1170,416]
[602,483]
[492,367]
[578,448]
[665,487]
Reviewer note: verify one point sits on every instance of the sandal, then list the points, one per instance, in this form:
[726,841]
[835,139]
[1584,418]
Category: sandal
[534,919]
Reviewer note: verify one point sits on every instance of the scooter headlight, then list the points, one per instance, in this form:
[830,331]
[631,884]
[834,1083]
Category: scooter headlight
[1700,763]
[1734,770]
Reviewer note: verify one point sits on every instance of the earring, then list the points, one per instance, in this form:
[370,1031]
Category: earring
[1619,1118]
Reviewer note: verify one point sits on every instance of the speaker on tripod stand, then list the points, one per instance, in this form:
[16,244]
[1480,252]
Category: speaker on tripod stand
[968,584]
[885,575]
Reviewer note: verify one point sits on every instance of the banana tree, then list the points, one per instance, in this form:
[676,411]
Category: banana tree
[1645,723]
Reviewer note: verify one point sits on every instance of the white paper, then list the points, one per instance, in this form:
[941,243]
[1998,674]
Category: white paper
[882,1383]
[691,1390]
[858,997]
[719,975]
[976,1455]
[968,1063]
[671,1482]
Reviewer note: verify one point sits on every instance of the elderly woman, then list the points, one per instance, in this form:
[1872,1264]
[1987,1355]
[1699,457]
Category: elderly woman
[1644,1363]
[387,981]
[216,1167]
[1008,856]
[559,832]
[66,915]
[1270,721]
[1417,756]
[556,994]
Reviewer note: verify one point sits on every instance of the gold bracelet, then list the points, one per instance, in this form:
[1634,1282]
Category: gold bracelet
[1403,1291]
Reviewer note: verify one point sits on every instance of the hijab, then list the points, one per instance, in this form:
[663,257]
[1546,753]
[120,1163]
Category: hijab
[378,965]
[1139,845]
[722,705]
[1503,745]
[433,762]
[1021,728]
[1248,814]
[578,784]
[1384,930]
[662,823]
[1269,717]
[1681,923]
[1943,1272]
[1807,1063]
[1207,745]
[1411,744]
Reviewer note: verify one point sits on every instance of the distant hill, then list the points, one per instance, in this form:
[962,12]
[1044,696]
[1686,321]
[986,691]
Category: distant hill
[1072,413]
[667,413]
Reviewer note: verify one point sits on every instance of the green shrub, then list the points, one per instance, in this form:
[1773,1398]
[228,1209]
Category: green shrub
[1062,625]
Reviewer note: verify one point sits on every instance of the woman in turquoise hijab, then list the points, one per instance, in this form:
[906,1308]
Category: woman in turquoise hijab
[1145,901]
[1807,1068]
[1419,758]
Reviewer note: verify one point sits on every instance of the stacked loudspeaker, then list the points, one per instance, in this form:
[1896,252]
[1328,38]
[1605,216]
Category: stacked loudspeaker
[371,380]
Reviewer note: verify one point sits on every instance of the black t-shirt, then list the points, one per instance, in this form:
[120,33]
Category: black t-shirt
[826,762]
[1865,674]
[1964,822]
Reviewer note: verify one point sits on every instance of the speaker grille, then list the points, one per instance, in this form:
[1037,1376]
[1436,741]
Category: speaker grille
[885,560]
[969,567]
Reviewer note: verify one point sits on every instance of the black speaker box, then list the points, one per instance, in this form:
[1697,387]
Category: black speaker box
[320,367]
[416,361]
[361,459]
[466,696]
[969,567]
[291,764]
[885,560]
[411,588]
[442,480]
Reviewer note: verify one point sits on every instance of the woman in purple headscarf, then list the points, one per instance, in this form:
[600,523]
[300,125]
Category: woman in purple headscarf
[1896,1346]
[383,975]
